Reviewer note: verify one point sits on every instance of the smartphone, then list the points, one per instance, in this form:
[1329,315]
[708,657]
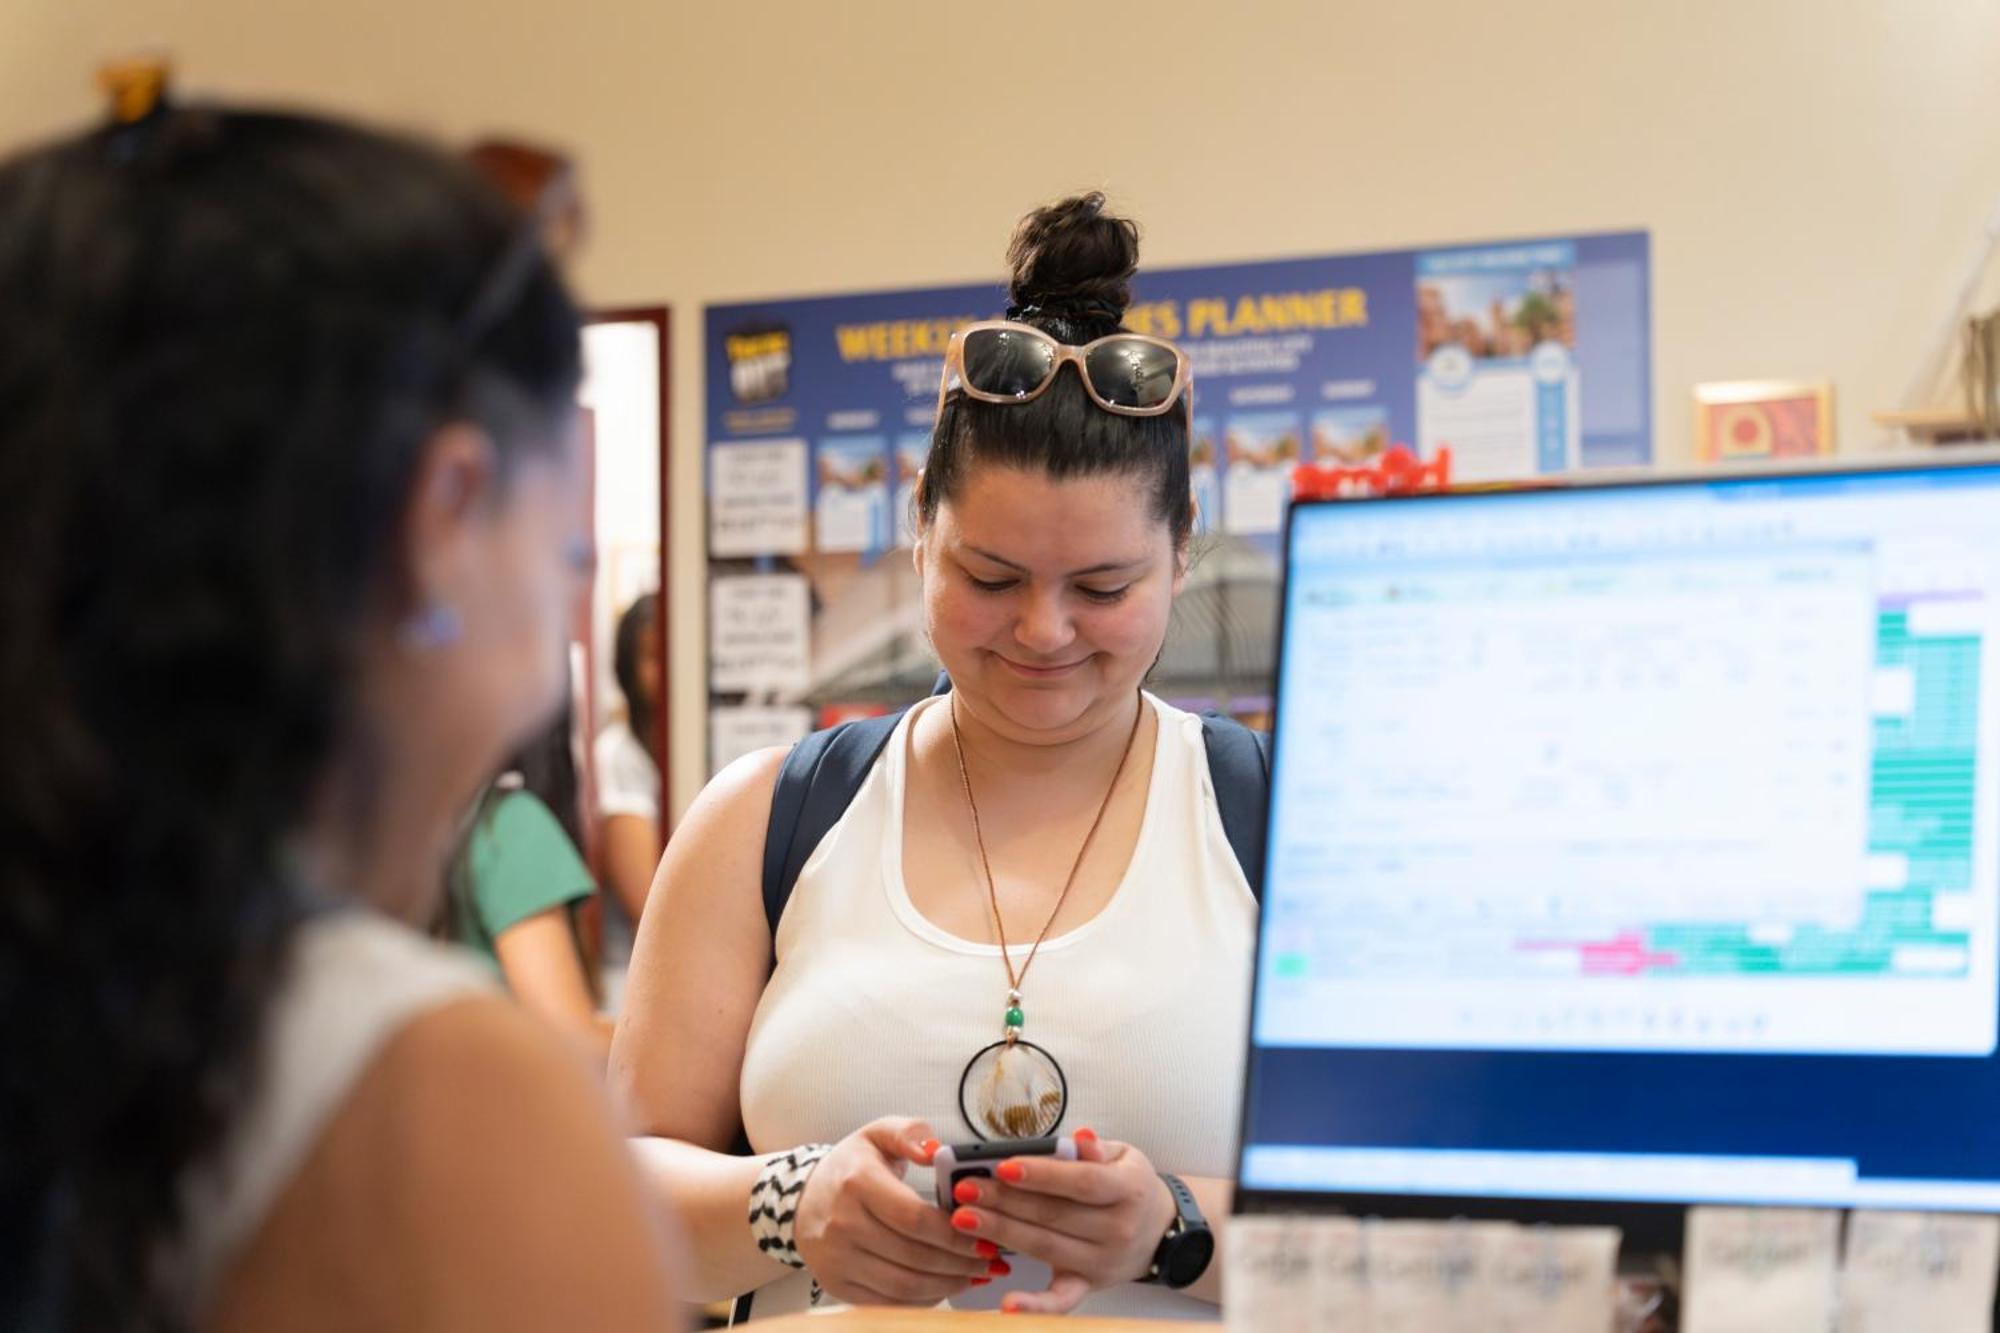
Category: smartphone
[960,1161]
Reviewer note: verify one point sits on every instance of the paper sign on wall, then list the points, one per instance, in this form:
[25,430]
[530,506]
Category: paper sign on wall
[757,498]
[739,730]
[759,633]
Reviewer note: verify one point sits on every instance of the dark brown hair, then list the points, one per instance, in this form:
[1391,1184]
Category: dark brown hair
[1072,278]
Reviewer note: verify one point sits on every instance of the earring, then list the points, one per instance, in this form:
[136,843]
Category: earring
[437,625]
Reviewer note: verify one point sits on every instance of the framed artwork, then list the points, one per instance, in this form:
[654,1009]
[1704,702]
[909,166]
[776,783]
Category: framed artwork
[1740,420]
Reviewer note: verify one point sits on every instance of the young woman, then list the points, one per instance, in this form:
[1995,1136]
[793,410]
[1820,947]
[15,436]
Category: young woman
[1029,917]
[287,490]
[518,882]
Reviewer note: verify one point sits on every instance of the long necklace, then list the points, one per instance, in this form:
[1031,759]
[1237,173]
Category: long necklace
[1014,1088]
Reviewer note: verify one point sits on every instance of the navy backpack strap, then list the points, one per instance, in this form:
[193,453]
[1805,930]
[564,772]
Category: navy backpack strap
[1239,768]
[816,785]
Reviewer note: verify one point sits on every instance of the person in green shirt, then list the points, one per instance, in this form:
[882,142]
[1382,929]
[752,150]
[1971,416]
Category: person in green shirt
[519,881]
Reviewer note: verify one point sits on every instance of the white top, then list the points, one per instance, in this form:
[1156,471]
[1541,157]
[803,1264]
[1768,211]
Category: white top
[628,781]
[873,1010]
[357,978]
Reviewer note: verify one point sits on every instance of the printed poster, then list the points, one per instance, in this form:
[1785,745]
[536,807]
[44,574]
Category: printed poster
[1349,436]
[1260,451]
[851,508]
[1525,358]
[911,447]
[1496,333]
[1205,475]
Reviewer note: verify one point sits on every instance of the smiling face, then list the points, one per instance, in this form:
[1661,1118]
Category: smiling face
[1047,600]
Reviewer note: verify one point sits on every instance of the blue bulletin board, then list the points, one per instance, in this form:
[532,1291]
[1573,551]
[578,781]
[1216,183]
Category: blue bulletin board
[1526,358]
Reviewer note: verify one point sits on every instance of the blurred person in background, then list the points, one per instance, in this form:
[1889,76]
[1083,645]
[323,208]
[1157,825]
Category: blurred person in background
[519,883]
[288,486]
[628,776]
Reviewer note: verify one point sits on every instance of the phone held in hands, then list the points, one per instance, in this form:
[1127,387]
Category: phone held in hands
[963,1161]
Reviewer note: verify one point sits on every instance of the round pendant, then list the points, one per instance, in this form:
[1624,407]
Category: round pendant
[1013,1090]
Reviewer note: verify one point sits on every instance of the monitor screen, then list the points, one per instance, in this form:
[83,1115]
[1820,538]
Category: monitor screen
[1637,844]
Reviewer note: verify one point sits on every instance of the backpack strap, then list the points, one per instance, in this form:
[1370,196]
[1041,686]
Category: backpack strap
[1239,768]
[816,785]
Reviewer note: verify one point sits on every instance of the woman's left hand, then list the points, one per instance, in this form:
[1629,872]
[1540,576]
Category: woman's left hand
[1095,1221]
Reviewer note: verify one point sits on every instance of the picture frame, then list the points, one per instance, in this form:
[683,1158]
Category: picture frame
[1741,420]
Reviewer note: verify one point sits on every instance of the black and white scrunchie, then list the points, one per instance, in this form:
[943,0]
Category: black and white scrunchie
[774,1201]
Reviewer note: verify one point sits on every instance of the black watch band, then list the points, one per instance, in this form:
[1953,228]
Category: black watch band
[1185,1251]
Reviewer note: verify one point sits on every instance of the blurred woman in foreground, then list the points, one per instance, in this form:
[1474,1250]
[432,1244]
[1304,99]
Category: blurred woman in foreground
[287,548]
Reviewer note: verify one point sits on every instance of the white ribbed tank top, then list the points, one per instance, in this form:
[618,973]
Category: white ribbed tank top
[873,1010]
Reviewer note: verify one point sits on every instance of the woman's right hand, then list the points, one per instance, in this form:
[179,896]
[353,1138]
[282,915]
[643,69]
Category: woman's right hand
[869,1238]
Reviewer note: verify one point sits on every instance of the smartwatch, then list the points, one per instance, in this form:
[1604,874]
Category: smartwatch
[1188,1246]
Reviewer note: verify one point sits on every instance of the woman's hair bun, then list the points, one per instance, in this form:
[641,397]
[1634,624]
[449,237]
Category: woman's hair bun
[1074,262]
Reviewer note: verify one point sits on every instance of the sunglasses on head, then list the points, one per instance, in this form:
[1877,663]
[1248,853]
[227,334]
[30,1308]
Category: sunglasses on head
[1000,361]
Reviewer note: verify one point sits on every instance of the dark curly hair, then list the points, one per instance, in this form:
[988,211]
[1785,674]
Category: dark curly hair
[225,336]
[1072,268]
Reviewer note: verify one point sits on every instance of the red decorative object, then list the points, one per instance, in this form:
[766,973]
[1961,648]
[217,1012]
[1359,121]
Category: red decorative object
[1762,419]
[832,715]
[1397,472]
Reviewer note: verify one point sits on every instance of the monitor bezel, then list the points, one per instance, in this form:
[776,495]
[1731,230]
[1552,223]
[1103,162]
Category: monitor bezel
[1649,1225]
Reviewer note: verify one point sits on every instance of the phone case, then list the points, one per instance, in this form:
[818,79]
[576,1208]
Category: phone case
[958,1161]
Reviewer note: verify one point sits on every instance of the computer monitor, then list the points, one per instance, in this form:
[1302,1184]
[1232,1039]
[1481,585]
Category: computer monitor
[1633,846]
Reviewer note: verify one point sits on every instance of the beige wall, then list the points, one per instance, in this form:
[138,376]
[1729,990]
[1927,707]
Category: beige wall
[1814,172]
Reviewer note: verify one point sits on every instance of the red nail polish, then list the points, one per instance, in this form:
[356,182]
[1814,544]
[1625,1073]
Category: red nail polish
[1009,1171]
[1087,1135]
[930,1148]
[965,1220]
[999,1268]
[965,1192]
[986,1249]
[980,1281]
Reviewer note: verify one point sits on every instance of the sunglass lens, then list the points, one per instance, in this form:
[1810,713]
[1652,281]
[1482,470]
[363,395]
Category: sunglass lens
[1000,361]
[1129,372]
